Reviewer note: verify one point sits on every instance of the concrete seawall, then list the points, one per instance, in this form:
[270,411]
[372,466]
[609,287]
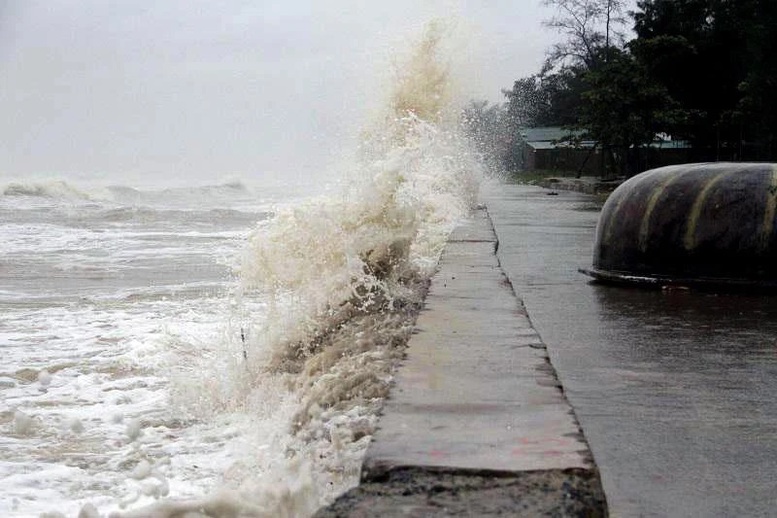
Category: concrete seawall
[477,423]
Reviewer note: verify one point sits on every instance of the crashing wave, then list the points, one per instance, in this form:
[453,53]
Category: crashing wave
[51,189]
[343,278]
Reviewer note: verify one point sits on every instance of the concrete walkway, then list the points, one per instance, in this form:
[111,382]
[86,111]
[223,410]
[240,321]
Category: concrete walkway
[477,423]
[676,391]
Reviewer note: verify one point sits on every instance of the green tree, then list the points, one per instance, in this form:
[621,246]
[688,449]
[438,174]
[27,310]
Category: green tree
[544,99]
[575,68]
[623,109]
[553,96]
[700,70]
[757,109]
[716,60]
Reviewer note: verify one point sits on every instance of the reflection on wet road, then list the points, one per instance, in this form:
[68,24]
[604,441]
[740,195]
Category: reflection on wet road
[676,391]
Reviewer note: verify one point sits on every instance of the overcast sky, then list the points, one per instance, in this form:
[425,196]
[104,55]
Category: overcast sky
[209,90]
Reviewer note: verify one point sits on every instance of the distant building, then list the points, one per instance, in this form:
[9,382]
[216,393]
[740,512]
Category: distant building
[559,149]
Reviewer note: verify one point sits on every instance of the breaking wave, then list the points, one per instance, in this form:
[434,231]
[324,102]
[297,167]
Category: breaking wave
[181,195]
[126,195]
[326,298]
[47,189]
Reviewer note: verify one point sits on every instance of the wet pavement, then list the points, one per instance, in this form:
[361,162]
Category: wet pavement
[476,423]
[476,391]
[676,391]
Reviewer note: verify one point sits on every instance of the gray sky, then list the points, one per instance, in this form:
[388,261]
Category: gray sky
[122,91]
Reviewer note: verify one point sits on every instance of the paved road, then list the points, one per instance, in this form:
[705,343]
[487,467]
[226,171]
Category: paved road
[676,392]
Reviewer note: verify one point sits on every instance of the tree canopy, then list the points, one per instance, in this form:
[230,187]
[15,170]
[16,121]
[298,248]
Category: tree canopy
[703,71]
[716,59]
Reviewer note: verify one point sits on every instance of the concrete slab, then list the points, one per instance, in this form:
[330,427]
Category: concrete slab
[676,391]
[476,397]
[474,393]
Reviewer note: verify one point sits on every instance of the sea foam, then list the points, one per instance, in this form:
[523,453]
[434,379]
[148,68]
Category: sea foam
[165,396]
[342,277]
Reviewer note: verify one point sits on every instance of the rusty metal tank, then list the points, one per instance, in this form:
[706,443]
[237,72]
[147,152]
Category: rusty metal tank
[695,225]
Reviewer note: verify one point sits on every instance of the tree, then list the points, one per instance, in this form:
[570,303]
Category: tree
[623,109]
[757,108]
[591,81]
[486,127]
[552,96]
[589,26]
[716,59]
[544,99]
[700,70]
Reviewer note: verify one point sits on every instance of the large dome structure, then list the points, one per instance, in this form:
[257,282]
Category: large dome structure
[710,225]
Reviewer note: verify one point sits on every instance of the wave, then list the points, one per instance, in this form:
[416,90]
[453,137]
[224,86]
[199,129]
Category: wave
[64,189]
[211,216]
[59,189]
[226,196]
[343,277]
[220,192]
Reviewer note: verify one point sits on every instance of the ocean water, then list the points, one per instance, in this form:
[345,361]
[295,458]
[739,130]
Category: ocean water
[220,350]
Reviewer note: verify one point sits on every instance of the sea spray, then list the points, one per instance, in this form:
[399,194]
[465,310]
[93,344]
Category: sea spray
[337,282]
[352,272]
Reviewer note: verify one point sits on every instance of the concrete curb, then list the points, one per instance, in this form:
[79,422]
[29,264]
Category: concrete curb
[477,423]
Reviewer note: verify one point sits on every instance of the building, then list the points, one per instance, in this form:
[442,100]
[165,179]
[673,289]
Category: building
[563,150]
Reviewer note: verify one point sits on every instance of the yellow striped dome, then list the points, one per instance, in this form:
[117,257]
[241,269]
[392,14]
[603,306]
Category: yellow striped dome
[693,224]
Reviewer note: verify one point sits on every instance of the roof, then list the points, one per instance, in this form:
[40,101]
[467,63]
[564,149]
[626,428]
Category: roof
[547,134]
[553,137]
[670,144]
[584,144]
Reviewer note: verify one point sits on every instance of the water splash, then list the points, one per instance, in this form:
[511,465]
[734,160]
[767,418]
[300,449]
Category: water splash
[424,82]
[340,279]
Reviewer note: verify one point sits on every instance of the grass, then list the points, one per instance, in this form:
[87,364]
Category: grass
[538,177]
[535,176]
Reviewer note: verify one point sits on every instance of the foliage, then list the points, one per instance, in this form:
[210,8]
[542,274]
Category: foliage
[758,104]
[553,96]
[704,71]
[623,109]
[544,99]
[685,47]
[558,95]
[716,59]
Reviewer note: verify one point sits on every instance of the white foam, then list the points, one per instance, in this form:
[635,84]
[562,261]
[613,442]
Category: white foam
[170,389]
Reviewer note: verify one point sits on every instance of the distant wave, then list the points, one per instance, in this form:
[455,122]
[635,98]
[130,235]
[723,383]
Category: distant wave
[199,196]
[207,215]
[46,189]
[226,191]
[225,188]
